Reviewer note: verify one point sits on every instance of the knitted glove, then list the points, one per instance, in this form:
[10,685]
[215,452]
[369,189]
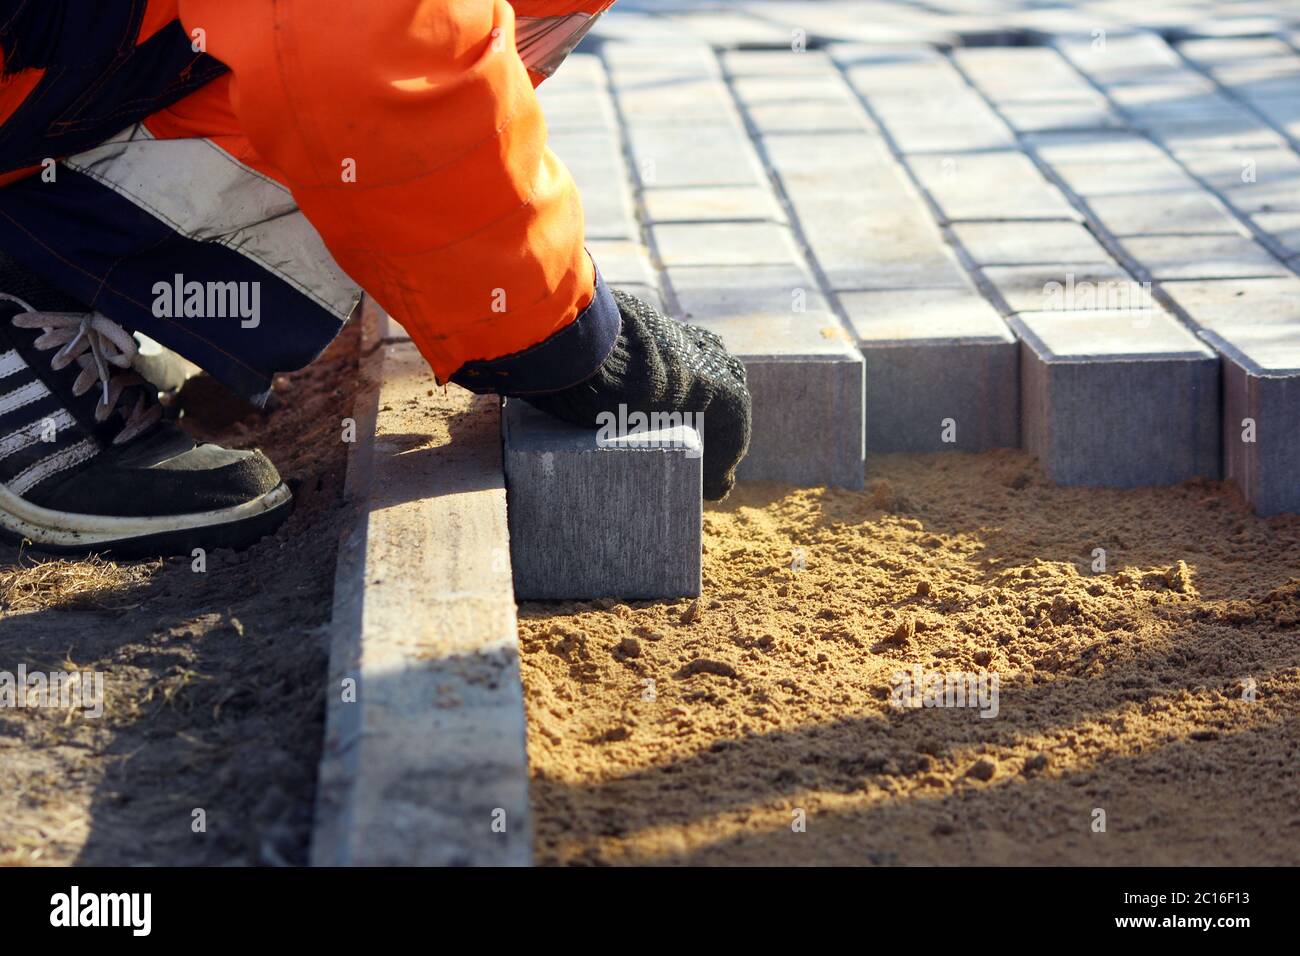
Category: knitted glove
[661,365]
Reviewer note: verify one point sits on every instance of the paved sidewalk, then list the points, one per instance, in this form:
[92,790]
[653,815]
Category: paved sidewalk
[966,226]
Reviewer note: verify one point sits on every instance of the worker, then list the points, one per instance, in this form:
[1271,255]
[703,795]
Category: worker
[225,177]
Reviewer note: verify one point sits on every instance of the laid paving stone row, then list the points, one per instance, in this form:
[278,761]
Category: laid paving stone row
[1074,390]
[1178,208]
[940,363]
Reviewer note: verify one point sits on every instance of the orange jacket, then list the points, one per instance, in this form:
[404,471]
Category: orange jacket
[409,134]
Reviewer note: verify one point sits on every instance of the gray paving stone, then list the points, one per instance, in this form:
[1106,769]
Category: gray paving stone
[1118,400]
[1140,178]
[1138,58]
[890,247]
[1093,147]
[1185,212]
[1203,257]
[1202,133]
[924,103]
[720,204]
[864,221]
[595,160]
[724,244]
[942,370]
[428,753]
[1282,227]
[1023,74]
[993,186]
[804,102]
[1266,180]
[727,28]
[1029,243]
[1173,95]
[1066,114]
[782,62]
[1230,51]
[957,136]
[596,516]
[576,97]
[860,170]
[623,262]
[1067,287]
[1255,327]
[805,376]
[718,154]
[747,290]
[1281,112]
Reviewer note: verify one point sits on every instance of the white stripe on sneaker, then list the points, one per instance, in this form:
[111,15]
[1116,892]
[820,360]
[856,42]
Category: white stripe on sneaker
[69,457]
[30,434]
[23,395]
[11,363]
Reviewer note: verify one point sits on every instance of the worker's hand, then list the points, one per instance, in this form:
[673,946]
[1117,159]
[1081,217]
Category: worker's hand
[661,365]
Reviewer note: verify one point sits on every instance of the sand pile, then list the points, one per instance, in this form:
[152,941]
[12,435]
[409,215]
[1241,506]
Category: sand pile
[1135,656]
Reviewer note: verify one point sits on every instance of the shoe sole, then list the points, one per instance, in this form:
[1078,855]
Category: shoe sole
[62,532]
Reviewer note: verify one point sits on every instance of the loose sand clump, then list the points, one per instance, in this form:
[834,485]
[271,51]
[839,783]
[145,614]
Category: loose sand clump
[1146,647]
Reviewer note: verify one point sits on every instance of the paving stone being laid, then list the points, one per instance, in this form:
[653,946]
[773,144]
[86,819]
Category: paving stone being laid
[1118,399]
[942,370]
[610,513]
[424,762]
[1254,325]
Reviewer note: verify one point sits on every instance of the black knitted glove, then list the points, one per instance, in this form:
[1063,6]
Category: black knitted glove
[661,365]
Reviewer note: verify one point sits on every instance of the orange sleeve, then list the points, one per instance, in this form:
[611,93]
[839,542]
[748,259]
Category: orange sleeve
[411,137]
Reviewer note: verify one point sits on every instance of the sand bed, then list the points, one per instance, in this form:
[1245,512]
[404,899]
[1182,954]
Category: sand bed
[1163,692]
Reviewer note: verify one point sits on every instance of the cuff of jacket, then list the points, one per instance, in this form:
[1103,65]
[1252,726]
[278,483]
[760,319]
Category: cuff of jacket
[570,356]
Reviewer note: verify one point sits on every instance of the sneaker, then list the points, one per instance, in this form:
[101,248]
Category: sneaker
[87,463]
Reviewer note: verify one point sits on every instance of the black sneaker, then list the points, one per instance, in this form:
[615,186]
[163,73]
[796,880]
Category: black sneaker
[86,462]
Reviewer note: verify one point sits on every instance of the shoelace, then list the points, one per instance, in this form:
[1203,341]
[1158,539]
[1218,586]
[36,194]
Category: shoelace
[101,347]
